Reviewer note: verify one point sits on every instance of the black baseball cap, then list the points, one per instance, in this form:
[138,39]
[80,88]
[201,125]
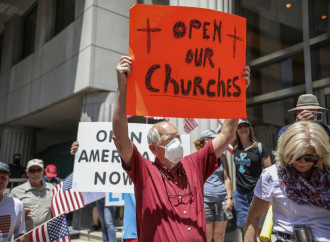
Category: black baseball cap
[4,167]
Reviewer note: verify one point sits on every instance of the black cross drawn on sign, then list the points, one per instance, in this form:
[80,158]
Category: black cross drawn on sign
[149,30]
[235,38]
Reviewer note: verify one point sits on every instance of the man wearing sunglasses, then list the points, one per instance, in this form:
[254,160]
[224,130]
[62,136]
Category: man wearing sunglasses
[168,191]
[35,194]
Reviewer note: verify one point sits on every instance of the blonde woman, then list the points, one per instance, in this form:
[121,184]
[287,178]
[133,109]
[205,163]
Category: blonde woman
[217,189]
[297,185]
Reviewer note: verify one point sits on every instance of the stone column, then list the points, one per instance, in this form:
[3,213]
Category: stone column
[17,139]
[11,42]
[220,5]
[44,22]
[97,107]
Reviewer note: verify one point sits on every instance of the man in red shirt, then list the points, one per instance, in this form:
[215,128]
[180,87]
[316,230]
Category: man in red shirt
[169,191]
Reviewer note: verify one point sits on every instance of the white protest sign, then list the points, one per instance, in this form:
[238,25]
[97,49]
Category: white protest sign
[97,165]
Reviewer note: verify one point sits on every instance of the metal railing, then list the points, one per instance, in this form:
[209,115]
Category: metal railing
[13,182]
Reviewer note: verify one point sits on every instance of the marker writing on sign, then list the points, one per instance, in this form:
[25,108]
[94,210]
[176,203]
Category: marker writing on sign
[114,178]
[180,29]
[105,155]
[198,87]
[104,135]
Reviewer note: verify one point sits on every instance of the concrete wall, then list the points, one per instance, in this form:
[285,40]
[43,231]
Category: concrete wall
[79,58]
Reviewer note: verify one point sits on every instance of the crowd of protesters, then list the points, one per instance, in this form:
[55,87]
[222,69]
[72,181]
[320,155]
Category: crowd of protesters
[190,198]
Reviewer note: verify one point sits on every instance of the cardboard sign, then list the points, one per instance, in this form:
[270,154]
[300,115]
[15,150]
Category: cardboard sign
[186,62]
[97,165]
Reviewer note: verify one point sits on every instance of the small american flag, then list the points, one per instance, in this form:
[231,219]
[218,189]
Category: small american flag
[4,224]
[189,124]
[230,148]
[54,230]
[64,199]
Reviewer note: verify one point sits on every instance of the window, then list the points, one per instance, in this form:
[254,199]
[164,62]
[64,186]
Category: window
[286,73]
[29,32]
[322,61]
[271,26]
[64,14]
[268,118]
[321,12]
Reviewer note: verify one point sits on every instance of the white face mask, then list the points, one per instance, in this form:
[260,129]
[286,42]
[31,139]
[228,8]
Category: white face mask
[174,151]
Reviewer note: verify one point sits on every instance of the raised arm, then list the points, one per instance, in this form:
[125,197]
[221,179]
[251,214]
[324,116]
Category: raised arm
[119,119]
[227,135]
[256,211]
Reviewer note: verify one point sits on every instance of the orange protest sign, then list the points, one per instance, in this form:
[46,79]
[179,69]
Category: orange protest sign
[186,62]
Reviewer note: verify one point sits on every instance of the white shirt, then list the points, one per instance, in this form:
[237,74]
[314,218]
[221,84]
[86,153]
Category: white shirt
[11,214]
[287,213]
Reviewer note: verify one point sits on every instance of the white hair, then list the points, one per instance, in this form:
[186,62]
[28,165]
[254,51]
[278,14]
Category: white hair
[153,136]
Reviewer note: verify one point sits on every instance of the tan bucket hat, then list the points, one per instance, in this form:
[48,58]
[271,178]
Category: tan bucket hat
[308,101]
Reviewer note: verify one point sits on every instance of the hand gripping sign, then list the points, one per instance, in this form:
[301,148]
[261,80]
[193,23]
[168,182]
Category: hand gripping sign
[187,62]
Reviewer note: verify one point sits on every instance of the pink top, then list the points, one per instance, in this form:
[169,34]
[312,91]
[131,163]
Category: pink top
[170,207]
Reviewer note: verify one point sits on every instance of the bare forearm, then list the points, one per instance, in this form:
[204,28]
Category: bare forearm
[119,119]
[229,127]
[228,187]
[226,136]
[255,214]
[120,129]
[251,232]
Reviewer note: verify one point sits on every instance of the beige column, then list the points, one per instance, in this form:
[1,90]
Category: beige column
[44,22]
[11,41]
[98,107]
[17,139]
[220,5]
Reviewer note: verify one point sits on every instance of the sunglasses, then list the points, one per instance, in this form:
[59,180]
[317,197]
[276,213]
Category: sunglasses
[243,125]
[308,158]
[35,170]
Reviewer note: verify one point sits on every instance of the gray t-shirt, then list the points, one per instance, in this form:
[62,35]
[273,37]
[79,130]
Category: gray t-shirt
[214,187]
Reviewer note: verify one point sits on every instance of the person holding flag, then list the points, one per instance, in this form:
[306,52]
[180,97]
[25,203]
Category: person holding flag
[35,194]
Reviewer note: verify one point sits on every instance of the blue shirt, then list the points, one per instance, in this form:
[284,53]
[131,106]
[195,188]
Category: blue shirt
[129,231]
